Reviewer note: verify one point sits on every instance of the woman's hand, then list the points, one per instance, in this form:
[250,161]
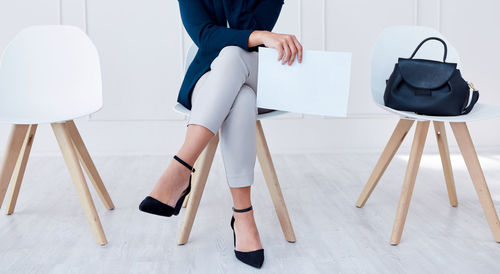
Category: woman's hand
[288,46]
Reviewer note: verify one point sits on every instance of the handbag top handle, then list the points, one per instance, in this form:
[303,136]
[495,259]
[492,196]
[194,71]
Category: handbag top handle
[432,38]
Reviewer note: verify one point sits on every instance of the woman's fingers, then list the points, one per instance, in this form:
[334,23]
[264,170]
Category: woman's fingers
[288,47]
[293,48]
[299,49]
[288,53]
[281,52]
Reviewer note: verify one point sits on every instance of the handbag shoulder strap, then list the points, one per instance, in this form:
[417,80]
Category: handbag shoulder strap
[432,38]
[473,101]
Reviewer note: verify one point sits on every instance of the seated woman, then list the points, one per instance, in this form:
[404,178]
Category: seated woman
[220,89]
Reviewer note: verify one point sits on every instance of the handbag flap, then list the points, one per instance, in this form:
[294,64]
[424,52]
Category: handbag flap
[425,74]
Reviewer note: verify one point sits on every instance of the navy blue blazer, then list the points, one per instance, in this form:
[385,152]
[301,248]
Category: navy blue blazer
[206,23]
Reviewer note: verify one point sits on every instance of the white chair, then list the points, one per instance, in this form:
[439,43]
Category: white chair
[204,163]
[51,74]
[400,41]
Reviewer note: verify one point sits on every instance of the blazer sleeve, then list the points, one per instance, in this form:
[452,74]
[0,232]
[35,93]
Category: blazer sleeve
[261,17]
[205,32]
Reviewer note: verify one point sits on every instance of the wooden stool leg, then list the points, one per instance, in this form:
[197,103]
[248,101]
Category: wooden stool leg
[390,150]
[466,146]
[88,164]
[444,152]
[409,181]
[273,184]
[71,158]
[14,146]
[199,179]
[19,170]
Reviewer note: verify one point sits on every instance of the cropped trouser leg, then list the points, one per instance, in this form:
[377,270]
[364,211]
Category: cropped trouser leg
[225,99]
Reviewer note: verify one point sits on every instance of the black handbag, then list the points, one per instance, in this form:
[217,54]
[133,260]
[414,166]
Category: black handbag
[429,87]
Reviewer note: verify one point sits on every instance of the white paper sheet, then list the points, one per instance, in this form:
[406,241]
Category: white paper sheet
[319,85]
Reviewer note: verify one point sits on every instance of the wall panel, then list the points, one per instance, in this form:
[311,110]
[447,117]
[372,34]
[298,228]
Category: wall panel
[74,12]
[312,27]
[290,18]
[139,43]
[472,26]
[428,13]
[142,46]
[18,14]
[354,26]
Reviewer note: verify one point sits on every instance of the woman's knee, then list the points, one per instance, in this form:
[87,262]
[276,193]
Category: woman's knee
[232,51]
[230,56]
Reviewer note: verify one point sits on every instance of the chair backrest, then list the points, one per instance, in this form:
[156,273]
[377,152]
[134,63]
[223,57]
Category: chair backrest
[193,49]
[401,41]
[49,74]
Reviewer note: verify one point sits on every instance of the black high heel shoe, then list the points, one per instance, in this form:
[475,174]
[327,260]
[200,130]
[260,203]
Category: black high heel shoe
[254,258]
[153,206]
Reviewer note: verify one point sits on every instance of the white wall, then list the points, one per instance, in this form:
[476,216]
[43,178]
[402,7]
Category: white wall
[142,44]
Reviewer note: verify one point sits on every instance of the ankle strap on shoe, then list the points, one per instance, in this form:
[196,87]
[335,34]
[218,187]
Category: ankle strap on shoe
[242,210]
[184,163]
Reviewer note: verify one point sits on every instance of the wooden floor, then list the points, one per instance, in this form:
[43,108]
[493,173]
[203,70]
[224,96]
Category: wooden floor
[48,233]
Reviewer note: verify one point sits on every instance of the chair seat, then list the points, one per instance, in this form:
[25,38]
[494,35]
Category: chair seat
[479,112]
[28,120]
[183,110]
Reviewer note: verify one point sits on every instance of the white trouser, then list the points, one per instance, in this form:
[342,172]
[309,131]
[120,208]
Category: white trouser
[224,99]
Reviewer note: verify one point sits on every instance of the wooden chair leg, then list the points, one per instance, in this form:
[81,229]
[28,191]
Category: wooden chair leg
[70,155]
[466,146]
[88,164]
[444,152]
[14,146]
[390,150]
[409,180]
[202,166]
[273,184]
[184,204]
[19,170]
